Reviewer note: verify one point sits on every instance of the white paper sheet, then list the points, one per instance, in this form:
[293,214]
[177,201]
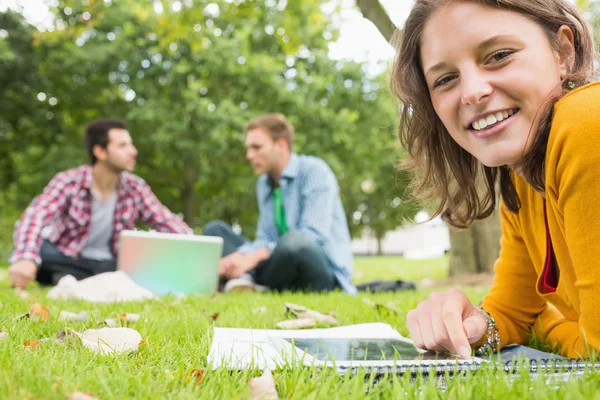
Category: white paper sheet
[260,348]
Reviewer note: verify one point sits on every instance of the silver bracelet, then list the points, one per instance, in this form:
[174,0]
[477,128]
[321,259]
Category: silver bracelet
[492,343]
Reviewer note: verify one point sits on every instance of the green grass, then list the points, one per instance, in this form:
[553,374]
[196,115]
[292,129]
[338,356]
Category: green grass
[180,334]
[395,267]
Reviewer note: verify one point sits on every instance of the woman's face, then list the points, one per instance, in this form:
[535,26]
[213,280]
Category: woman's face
[489,73]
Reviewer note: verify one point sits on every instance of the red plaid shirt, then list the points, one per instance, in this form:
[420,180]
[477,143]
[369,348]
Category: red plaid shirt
[65,206]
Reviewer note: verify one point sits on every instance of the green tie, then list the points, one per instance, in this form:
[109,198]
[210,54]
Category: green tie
[280,221]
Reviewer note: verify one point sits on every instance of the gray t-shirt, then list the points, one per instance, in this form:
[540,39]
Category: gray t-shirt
[101,229]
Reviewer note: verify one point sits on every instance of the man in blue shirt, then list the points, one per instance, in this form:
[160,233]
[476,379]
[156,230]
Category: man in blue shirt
[303,241]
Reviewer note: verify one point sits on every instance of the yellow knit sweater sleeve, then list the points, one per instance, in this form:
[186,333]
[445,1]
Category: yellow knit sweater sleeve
[573,190]
[513,300]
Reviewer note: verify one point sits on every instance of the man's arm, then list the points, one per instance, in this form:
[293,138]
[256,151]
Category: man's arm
[43,209]
[159,217]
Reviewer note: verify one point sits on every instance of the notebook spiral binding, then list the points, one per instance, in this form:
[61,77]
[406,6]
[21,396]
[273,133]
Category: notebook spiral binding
[509,367]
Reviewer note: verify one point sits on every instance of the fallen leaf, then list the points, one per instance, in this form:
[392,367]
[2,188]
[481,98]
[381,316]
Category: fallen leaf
[81,316]
[37,312]
[61,337]
[110,323]
[297,323]
[110,340]
[215,316]
[214,296]
[3,335]
[319,317]
[81,396]
[294,308]
[263,387]
[129,317]
[144,342]
[31,344]
[302,312]
[196,374]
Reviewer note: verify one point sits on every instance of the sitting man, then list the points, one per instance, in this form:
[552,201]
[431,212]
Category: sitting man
[303,241]
[86,208]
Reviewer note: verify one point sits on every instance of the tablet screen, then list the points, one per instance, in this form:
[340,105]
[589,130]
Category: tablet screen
[364,350]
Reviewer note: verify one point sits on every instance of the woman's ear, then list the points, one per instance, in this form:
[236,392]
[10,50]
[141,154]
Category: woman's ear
[566,54]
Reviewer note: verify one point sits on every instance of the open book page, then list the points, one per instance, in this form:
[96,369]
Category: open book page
[362,345]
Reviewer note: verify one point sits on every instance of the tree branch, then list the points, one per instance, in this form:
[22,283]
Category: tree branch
[374,12]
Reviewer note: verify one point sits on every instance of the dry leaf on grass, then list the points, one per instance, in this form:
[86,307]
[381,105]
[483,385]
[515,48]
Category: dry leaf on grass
[297,323]
[37,312]
[213,316]
[214,296]
[302,312]
[81,396]
[31,344]
[71,316]
[317,316]
[61,336]
[110,323]
[110,340]
[263,387]
[129,317]
[196,375]
[294,308]
[3,335]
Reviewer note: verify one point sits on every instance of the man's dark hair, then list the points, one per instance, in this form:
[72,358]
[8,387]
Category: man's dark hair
[276,125]
[96,134]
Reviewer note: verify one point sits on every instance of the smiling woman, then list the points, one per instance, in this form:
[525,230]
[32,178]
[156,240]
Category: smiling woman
[498,91]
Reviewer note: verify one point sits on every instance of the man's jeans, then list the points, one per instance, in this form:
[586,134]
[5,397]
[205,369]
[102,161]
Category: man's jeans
[55,265]
[296,263]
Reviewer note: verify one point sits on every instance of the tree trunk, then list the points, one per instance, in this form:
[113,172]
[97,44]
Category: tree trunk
[379,245]
[475,250]
[188,196]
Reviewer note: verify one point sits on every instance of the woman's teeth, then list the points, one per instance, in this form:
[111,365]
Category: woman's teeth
[492,119]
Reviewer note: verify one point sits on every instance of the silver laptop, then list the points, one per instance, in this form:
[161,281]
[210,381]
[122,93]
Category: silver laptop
[171,263]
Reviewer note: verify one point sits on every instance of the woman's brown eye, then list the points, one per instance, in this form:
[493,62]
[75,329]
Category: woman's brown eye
[500,55]
[443,81]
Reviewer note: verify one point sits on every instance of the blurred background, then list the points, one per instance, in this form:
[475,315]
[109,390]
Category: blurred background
[187,74]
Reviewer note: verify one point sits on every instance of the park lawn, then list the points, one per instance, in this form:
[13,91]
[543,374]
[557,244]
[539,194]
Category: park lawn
[179,333]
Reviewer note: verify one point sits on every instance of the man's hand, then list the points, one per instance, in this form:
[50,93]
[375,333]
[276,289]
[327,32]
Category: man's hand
[21,273]
[446,322]
[241,265]
[226,263]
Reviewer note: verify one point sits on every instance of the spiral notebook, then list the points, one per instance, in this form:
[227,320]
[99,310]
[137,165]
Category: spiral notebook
[374,349]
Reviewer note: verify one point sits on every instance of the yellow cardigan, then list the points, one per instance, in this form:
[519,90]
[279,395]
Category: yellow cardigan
[517,300]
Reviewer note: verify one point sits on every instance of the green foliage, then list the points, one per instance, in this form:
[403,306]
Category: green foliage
[187,80]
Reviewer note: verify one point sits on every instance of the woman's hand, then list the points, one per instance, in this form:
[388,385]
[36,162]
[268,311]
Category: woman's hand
[446,321]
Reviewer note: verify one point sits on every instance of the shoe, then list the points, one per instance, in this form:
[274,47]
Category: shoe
[244,284]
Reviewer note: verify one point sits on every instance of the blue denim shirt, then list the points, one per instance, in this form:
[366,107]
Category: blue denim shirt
[311,198]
